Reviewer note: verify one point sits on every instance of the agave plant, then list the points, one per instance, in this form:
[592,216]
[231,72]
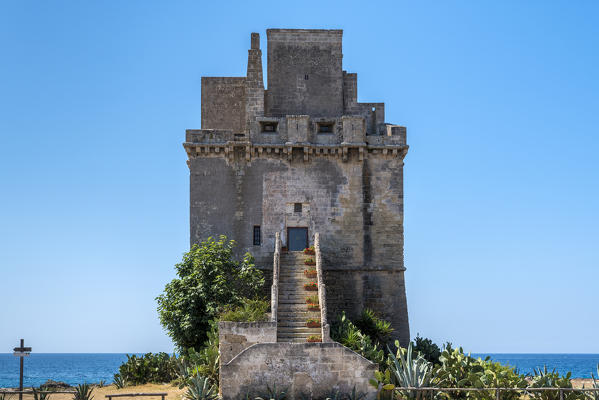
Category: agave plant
[83,391]
[40,395]
[594,395]
[273,393]
[407,371]
[200,388]
[355,395]
[119,381]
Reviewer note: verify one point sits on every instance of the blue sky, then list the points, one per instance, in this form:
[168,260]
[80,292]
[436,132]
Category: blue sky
[500,100]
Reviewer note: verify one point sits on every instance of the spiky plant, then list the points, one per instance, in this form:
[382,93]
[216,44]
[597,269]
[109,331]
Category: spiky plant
[83,391]
[38,394]
[119,381]
[408,371]
[273,393]
[355,395]
[200,388]
[594,395]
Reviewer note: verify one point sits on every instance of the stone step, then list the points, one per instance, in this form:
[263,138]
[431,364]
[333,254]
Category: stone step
[283,325]
[298,313]
[292,299]
[288,308]
[293,339]
[283,330]
[297,320]
[293,285]
[297,335]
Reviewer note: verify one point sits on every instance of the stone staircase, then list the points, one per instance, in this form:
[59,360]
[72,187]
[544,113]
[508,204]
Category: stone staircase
[293,310]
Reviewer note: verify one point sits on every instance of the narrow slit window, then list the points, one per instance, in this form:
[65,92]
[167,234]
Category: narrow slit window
[257,235]
[297,207]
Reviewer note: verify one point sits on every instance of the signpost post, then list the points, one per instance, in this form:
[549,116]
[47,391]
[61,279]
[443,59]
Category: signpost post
[21,352]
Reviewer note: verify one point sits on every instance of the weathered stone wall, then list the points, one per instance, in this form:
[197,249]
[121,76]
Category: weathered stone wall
[304,72]
[224,103]
[300,368]
[356,206]
[234,337]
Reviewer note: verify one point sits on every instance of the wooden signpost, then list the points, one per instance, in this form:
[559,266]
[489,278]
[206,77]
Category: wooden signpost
[21,352]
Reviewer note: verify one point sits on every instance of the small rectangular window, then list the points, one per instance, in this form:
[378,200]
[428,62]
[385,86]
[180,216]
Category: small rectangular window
[257,235]
[325,127]
[268,127]
[297,207]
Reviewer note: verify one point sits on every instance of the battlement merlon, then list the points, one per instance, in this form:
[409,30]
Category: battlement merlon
[310,98]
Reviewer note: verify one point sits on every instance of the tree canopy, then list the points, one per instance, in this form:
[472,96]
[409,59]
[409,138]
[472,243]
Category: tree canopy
[209,278]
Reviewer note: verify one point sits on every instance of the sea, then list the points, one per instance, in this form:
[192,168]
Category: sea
[78,368]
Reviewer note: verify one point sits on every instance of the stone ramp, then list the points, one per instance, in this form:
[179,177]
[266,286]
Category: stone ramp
[293,311]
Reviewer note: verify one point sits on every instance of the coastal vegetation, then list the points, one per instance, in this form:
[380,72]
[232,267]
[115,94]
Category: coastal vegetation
[209,279]
[212,286]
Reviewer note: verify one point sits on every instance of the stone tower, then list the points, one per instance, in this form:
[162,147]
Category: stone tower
[304,156]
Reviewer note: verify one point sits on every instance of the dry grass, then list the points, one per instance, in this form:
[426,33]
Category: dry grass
[99,393]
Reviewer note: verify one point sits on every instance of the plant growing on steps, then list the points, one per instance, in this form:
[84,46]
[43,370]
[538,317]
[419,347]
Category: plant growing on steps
[310,273]
[200,388]
[313,307]
[312,286]
[83,391]
[314,339]
[309,250]
[312,299]
[310,261]
[313,323]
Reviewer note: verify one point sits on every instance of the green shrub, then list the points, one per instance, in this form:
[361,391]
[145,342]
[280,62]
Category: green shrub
[200,363]
[429,350]
[544,378]
[459,370]
[346,333]
[209,278]
[249,311]
[377,329]
[154,368]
